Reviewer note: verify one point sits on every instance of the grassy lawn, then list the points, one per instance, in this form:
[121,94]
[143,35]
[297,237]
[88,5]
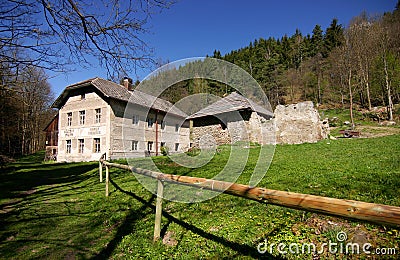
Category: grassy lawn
[59,211]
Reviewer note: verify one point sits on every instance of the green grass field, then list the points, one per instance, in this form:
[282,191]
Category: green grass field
[59,211]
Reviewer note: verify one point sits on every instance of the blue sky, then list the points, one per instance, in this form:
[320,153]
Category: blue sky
[193,28]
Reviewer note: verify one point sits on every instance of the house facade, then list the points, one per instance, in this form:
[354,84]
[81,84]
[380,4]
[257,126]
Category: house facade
[97,116]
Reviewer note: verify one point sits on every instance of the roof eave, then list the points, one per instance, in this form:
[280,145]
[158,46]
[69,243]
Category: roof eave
[57,103]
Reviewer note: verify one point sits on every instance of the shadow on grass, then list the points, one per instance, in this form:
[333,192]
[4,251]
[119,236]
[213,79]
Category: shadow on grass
[127,227]
[33,204]
[19,184]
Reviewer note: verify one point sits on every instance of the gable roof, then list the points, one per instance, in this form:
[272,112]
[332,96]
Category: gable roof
[118,92]
[230,103]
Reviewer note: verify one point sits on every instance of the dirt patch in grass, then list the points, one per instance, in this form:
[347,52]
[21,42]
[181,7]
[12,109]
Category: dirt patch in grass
[377,131]
[368,131]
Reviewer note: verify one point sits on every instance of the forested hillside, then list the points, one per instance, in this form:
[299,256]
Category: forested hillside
[357,65]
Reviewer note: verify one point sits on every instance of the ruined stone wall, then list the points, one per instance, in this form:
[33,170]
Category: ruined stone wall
[299,123]
[292,124]
[261,130]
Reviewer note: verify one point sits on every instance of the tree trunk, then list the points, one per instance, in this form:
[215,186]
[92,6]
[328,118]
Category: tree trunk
[388,90]
[365,79]
[351,101]
[368,94]
[319,89]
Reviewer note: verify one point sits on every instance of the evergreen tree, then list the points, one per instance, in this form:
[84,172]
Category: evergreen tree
[333,37]
[217,54]
[317,40]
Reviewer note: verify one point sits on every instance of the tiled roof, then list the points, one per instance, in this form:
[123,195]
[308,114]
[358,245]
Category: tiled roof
[115,91]
[232,102]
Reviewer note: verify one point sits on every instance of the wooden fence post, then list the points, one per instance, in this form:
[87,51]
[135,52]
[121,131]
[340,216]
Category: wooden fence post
[107,178]
[157,224]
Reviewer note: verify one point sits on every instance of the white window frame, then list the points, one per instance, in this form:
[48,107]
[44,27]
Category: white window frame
[96,145]
[81,145]
[82,117]
[69,119]
[150,146]
[135,119]
[150,122]
[135,145]
[68,146]
[97,115]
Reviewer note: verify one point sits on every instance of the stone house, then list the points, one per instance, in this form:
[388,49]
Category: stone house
[98,116]
[229,120]
[235,118]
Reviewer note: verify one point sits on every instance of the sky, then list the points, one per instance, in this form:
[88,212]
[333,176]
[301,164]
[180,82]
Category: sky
[195,28]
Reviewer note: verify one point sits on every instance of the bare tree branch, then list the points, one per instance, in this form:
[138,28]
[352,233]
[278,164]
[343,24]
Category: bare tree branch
[60,33]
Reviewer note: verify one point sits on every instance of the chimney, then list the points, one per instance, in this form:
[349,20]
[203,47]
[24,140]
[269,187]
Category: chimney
[126,83]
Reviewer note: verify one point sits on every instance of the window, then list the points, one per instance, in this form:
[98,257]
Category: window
[150,121]
[162,144]
[176,127]
[82,117]
[135,119]
[81,145]
[68,148]
[98,115]
[83,96]
[69,119]
[163,125]
[96,145]
[176,147]
[134,145]
[150,146]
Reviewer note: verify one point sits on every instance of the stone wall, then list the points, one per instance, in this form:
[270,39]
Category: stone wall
[299,123]
[209,136]
[292,124]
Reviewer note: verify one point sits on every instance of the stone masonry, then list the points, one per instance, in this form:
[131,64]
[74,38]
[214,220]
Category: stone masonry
[292,124]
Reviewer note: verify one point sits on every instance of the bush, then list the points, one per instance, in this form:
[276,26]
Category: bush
[164,150]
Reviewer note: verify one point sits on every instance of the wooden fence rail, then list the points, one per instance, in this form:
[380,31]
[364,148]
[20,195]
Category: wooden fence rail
[350,209]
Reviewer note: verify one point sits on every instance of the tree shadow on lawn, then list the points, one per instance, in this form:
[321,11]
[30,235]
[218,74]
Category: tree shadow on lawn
[127,227]
[30,206]
[19,184]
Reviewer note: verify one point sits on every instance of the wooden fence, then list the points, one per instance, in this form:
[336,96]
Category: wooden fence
[350,209]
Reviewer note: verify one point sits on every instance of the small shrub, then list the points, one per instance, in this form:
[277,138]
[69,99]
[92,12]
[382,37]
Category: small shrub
[164,150]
